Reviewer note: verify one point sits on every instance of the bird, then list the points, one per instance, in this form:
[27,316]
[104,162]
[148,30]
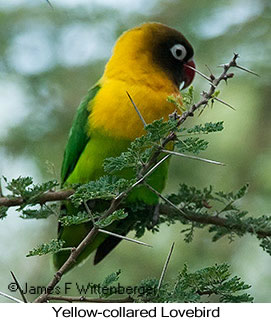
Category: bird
[150,62]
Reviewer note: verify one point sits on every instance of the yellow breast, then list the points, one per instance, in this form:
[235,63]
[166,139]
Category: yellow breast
[113,113]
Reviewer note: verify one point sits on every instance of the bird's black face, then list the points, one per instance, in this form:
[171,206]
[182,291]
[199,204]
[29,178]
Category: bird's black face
[173,53]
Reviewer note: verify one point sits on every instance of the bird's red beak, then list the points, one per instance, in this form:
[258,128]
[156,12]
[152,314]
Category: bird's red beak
[189,73]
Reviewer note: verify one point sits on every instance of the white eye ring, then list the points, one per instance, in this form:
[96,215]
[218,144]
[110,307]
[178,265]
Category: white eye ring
[178,51]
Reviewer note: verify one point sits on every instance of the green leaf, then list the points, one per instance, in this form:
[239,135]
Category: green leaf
[107,283]
[233,196]
[52,247]
[42,213]
[216,94]
[189,233]
[19,186]
[173,99]
[208,127]
[192,197]
[159,129]
[115,216]
[191,144]
[188,97]
[106,188]
[115,164]
[80,217]
[266,245]
[112,278]
[3,212]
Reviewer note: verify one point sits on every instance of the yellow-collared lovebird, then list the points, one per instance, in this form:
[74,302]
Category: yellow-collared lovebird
[150,62]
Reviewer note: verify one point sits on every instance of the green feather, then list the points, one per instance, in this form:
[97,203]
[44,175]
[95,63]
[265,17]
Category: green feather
[78,137]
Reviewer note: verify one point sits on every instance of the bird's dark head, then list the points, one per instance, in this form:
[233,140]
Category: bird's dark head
[172,52]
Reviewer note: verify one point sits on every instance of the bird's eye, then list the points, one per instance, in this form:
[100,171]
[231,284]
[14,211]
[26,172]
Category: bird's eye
[178,51]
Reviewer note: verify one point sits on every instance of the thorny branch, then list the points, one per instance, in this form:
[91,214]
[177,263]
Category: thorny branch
[206,97]
[165,209]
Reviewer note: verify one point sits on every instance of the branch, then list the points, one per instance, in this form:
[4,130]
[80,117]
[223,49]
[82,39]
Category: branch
[164,209]
[206,97]
[46,197]
[89,300]
[169,211]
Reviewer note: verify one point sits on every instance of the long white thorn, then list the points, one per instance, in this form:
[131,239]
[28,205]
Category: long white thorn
[193,157]
[124,238]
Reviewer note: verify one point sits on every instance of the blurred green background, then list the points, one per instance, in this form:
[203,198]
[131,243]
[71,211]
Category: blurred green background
[48,60]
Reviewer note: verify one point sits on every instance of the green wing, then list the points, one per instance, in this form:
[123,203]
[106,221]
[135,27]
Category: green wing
[78,137]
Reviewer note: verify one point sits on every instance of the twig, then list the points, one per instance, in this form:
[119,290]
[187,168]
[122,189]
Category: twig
[137,110]
[200,73]
[165,267]
[49,3]
[167,210]
[19,287]
[89,212]
[223,102]
[247,70]
[10,297]
[172,152]
[89,300]
[243,69]
[125,238]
